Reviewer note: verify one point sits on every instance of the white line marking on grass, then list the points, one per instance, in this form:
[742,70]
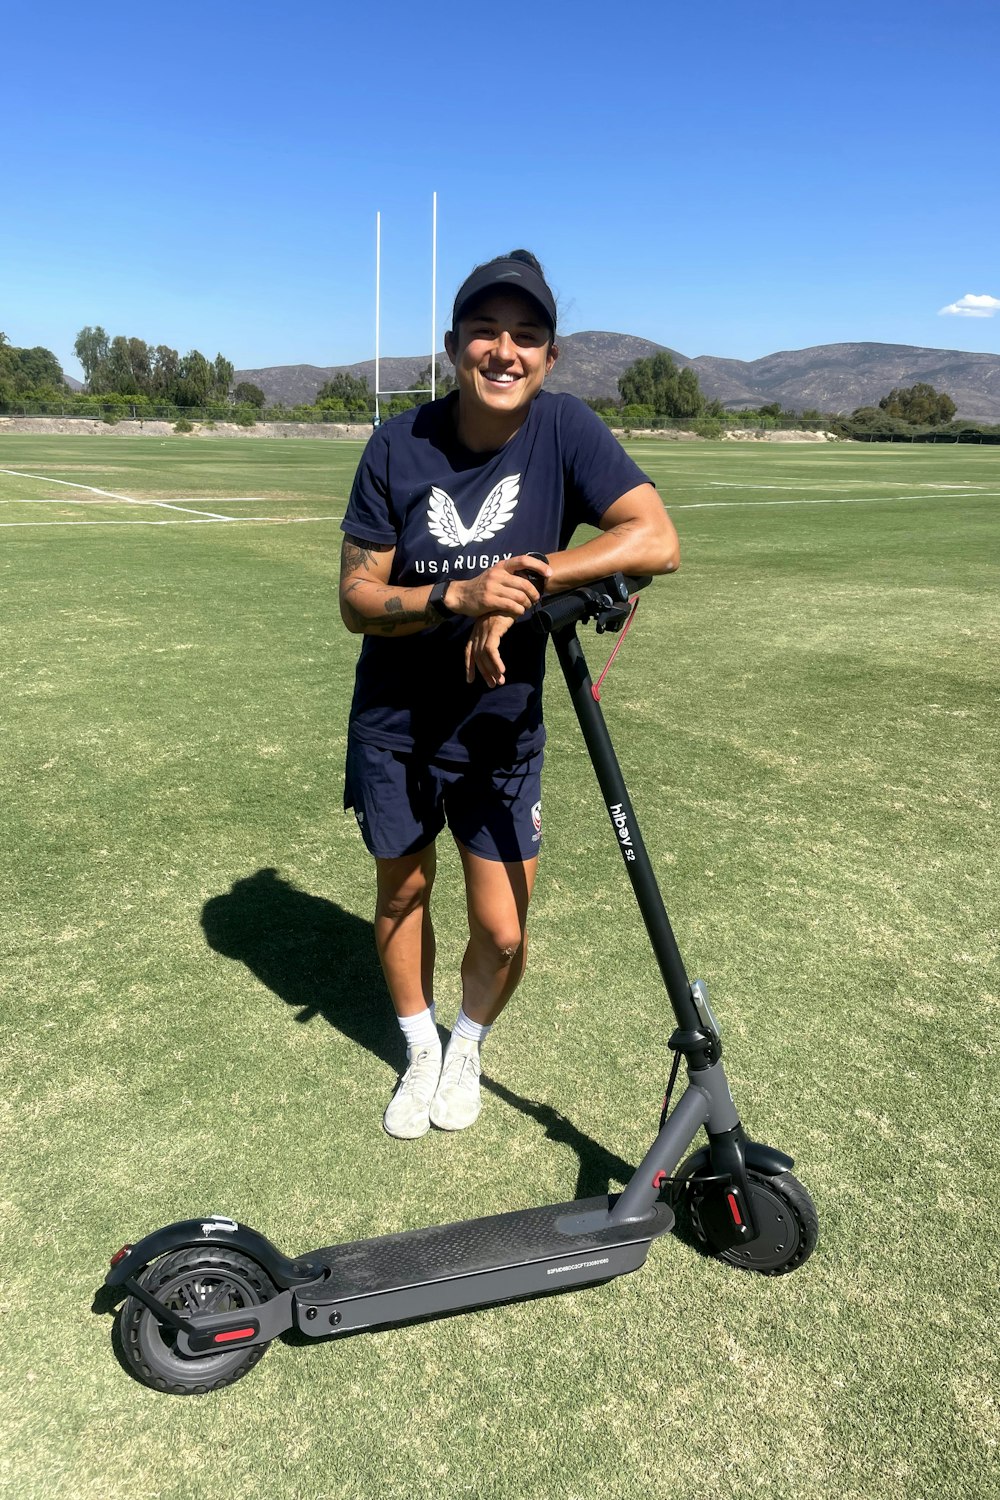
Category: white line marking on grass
[205,521]
[836,500]
[728,484]
[110,494]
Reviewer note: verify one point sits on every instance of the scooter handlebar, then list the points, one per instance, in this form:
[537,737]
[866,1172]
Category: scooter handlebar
[606,601]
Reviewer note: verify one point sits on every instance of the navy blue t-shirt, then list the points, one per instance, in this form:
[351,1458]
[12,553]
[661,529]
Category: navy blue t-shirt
[451,513]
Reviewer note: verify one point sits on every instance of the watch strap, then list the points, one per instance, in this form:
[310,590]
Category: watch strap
[436,602]
[537,580]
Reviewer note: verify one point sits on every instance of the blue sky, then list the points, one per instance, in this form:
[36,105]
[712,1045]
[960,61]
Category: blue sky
[727,180]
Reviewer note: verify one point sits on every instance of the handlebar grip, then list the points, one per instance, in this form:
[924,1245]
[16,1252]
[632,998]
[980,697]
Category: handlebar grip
[586,603]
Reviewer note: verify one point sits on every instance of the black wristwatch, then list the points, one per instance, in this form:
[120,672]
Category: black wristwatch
[436,603]
[537,580]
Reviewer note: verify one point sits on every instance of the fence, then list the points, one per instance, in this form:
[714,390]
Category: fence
[966,435]
[84,408]
[93,409]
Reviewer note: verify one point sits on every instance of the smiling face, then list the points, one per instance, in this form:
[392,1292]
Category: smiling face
[502,351]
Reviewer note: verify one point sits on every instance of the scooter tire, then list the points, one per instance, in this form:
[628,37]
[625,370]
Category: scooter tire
[199,1278]
[788,1221]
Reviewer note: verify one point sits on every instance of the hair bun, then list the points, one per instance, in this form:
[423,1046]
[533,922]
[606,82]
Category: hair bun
[526,258]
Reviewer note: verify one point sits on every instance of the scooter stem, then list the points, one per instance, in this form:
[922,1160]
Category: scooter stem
[623,820]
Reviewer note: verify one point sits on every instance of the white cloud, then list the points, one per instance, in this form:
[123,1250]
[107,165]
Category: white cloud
[971,306]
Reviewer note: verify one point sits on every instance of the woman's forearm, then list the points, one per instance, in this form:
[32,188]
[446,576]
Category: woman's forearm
[371,608]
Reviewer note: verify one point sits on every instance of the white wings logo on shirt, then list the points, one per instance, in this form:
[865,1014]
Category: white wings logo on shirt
[494,513]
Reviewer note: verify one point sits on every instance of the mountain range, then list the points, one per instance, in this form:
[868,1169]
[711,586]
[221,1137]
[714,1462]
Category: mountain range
[828,378]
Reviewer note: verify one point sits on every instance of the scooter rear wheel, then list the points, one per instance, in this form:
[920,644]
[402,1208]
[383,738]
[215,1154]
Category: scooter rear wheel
[788,1221]
[195,1280]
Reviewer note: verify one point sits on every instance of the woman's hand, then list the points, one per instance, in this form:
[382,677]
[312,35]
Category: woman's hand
[482,651]
[497,591]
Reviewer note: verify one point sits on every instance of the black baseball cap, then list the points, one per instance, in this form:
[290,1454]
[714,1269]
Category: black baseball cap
[506,275]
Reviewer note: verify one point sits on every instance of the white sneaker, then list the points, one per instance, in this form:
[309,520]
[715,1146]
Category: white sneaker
[408,1115]
[457,1102]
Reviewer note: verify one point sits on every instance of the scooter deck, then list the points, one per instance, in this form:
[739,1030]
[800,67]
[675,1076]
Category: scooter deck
[424,1272]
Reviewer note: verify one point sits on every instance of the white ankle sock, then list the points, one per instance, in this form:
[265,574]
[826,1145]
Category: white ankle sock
[471,1030]
[420,1032]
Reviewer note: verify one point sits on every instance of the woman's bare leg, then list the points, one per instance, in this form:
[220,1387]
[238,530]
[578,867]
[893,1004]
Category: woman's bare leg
[497,897]
[404,934]
[404,937]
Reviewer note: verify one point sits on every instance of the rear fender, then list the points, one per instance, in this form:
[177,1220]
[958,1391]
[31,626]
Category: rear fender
[221,1233]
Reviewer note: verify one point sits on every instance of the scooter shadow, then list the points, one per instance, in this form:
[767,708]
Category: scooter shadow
[321,960]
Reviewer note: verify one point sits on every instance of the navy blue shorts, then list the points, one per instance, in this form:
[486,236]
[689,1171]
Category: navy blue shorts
[402,803]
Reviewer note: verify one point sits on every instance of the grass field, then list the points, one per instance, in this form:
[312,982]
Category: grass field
[194,1020]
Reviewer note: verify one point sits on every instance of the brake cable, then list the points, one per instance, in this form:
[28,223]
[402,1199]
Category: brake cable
[670,1089]
[596,687]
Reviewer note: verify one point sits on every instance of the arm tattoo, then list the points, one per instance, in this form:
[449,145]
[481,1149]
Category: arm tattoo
[356,554]
[357,618]
[395,607]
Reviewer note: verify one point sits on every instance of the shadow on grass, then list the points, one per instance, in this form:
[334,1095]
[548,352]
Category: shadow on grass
[314,955]
[321,960]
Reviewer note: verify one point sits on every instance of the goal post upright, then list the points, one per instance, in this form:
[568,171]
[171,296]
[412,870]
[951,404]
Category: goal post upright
[430,390]
[378,294]
[434,261]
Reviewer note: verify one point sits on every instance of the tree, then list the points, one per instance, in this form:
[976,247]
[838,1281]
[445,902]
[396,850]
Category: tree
[91,349]
[871,423]
[38,370]
[126,366]
[444,382]
[126,370]
[247,394]
[657,383]
[7,365]
[636,414]
[222,379]
[346,392]
[920,405]
[689,401]
[164,372]
[194,380]
[32,373]
[636,386]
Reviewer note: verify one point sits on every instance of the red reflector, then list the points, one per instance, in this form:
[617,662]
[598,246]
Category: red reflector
[233,1335]
[734,1209]
[120,1255]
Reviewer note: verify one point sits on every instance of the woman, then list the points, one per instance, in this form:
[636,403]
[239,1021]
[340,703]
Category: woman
[459,519]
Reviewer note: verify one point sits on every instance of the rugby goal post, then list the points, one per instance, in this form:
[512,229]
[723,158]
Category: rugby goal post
[430,390]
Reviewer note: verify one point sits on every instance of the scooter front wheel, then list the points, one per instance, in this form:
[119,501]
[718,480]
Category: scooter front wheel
[199,1279]
[788,1222]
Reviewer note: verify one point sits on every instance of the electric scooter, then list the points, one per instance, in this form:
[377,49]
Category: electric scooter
[207,1296]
